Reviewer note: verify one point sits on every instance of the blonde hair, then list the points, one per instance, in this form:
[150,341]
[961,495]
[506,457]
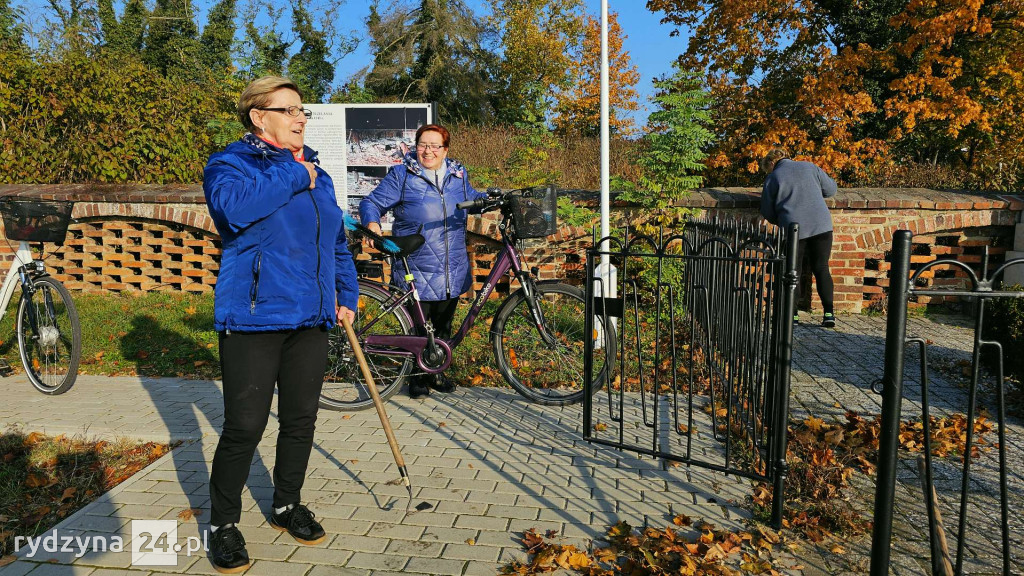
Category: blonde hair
[769,160]
[257,95]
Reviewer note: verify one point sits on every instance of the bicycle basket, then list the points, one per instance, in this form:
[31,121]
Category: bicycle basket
[35,220]
[535,213]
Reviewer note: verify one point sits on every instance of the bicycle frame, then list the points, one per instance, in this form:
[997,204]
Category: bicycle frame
[414,346]
[22,259]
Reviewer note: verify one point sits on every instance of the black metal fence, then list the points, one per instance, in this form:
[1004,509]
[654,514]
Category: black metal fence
[902,289]
[702,371]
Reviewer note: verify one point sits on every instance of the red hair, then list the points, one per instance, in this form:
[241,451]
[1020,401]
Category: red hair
[445,137]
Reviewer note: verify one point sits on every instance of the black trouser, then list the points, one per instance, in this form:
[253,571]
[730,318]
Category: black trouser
[818,251]
[440,313]
[251,364]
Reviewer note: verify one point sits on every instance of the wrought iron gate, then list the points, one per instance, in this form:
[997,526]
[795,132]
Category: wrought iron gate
[902,289]
[702,371]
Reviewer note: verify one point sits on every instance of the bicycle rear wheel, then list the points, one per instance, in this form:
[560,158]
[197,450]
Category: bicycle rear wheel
[344,387]
[543,373]
[51,345]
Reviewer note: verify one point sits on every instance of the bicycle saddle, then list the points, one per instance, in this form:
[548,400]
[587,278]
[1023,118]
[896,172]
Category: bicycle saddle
[406,244]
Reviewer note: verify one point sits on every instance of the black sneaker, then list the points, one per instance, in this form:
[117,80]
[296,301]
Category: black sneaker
[298,521]
[796,319]
[227,550]
[829,320]
[443,384]
[418,389]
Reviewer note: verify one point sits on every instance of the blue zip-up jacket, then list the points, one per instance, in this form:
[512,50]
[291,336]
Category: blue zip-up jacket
[441,267]
[286,261]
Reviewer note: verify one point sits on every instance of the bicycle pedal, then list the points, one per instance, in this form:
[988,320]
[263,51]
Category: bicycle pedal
[5,368]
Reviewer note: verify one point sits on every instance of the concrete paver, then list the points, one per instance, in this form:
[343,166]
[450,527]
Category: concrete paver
[498,466]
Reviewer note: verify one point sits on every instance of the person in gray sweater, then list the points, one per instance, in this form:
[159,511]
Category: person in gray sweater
[795,191]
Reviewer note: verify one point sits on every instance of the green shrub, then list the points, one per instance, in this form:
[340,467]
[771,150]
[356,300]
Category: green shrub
[102,117]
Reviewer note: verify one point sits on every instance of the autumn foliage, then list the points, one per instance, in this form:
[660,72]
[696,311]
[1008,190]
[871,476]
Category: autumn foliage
[578,108]
[824,457]
[46,479]
[858,86]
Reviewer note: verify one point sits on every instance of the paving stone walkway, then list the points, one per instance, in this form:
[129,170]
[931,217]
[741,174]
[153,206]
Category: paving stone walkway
[490,464]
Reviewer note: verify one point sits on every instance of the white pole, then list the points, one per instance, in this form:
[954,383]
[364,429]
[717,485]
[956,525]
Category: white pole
[605,138]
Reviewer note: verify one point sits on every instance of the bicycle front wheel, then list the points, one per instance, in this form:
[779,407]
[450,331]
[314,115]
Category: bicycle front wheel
[49,336]
[548,373]
[344,387]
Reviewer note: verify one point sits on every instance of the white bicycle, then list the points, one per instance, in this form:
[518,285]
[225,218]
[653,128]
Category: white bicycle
[49,335]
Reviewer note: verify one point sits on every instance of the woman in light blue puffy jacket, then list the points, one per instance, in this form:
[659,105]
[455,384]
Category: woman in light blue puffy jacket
[422,192]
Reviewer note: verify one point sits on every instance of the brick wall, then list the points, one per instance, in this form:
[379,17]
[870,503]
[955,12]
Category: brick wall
[138,237]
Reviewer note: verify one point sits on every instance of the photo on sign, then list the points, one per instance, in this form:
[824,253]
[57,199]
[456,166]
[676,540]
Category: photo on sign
[381,136]
[373,147]
[364,179]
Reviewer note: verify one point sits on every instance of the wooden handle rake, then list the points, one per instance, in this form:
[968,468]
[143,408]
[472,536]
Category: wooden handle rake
[379,405]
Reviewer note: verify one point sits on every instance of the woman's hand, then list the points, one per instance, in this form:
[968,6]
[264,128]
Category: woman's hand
[311,168]
[345,313]
[375,228]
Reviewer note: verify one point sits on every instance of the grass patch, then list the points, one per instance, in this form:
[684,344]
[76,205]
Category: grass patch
[152,334]
[171,334]
[45,479]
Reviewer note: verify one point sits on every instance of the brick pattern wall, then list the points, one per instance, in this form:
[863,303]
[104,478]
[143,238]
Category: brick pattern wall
[140,237]
[133,254]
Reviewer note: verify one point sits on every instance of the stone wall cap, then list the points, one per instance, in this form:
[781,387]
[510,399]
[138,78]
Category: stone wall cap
[715,197]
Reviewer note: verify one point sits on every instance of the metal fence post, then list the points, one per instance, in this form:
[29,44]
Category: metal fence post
[785,360]
[892,397]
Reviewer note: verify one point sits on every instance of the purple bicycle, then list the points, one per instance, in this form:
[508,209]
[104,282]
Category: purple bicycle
[536,334]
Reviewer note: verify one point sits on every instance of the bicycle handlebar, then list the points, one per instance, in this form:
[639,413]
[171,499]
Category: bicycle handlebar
[496,197]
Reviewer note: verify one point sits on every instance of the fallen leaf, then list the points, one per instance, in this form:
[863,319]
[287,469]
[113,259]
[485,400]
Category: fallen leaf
[837,549]
[4,561]
[441,424]
[190,310]
[531,540]
[210,345]
[142,354]
[98,355]
[68,493]
[34,438]
[551,534]
[36,481]
[199,363]
[600,427]
[346,417]
[471,541]
[190,513]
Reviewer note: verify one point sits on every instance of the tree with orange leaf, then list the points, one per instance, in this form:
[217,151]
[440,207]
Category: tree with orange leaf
[853,85]
[578,108]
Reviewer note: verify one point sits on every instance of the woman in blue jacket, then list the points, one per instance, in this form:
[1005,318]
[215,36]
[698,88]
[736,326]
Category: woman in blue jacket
[422,193]
[286,277]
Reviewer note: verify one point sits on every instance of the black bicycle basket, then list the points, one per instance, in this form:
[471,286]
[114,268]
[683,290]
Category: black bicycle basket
[535,213]
[33,220]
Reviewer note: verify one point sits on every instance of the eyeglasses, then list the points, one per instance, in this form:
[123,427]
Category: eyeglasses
[433,147]
[292,111]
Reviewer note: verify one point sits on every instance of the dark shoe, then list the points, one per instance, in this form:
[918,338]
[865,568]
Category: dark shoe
[227,550]
[443,384]
[829,320]
[418,389]
[298,521]
[796,319]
